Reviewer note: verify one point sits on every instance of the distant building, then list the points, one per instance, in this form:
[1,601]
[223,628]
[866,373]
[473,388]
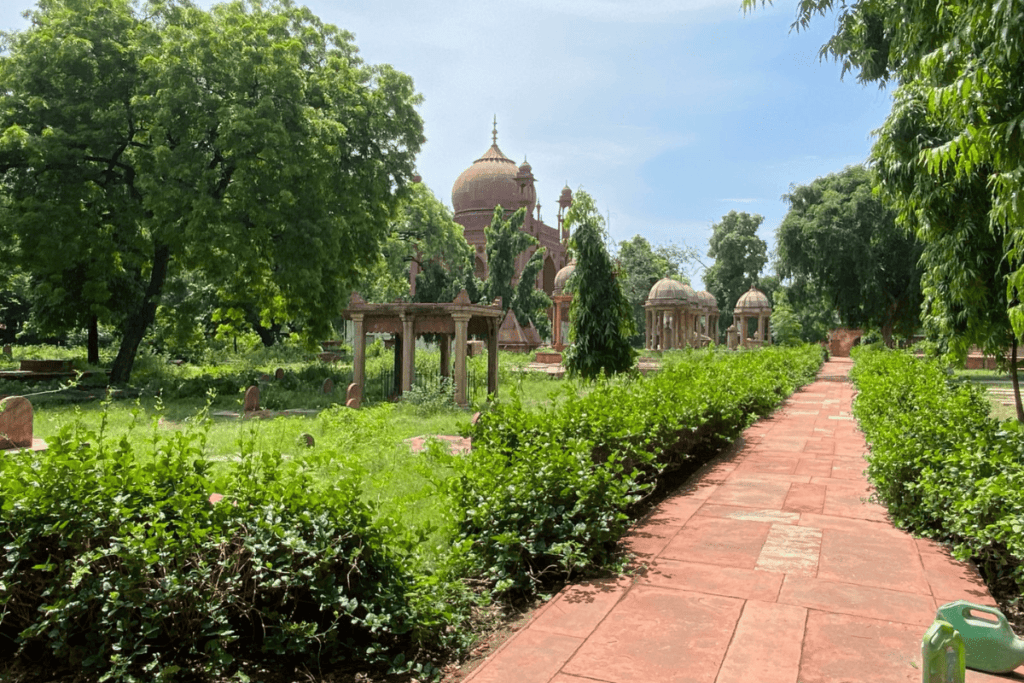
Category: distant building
[494,180]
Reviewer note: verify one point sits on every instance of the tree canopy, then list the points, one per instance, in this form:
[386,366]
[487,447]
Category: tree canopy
[844,246]
[640,266]
[739,257]
[600,317]
[422,233]
[506,245]
[950,155]
[248,142]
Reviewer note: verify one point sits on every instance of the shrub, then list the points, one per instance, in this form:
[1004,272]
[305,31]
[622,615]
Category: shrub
[943,467]
[125,568]
[546,493]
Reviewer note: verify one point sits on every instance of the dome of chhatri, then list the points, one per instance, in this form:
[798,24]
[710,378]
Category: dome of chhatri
[489,182]
[753,300]
[709,300]
[562,278]
[667,290]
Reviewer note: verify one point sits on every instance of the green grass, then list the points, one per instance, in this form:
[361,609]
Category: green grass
[369,444]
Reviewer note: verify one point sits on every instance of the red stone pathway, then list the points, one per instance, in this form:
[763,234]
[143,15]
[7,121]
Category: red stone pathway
[769,566]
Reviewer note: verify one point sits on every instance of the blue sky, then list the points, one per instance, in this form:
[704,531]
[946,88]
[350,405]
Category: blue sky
[670,114]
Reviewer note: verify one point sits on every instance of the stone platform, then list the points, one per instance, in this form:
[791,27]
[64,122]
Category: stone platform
[768,566]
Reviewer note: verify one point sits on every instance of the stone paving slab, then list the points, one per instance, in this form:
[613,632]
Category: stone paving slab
[771,565]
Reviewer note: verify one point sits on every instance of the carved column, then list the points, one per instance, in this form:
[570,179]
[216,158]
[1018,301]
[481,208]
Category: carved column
[446,355]
[461,339]
[492,356]
[408,351]
[359,353]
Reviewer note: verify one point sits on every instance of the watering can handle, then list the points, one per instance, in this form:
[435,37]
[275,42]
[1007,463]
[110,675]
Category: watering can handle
[1001,618]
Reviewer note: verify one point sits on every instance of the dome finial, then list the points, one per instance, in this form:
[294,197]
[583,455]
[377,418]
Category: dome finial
[494,131]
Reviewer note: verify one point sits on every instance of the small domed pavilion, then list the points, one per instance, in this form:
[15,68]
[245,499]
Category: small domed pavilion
[753,306]
[561,300]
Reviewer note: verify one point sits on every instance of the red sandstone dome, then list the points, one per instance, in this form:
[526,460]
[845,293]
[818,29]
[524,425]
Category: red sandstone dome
[489,182]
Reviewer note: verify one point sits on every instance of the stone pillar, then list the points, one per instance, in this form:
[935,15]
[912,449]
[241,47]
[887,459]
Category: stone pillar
[768,329]
[492,356]
[556,333]
[359,353]
[446,355]
[408,351]
[461,339]
[646,329]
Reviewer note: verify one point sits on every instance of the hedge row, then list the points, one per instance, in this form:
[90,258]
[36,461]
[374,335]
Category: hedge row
[547,493]
[942,466]
[120,567]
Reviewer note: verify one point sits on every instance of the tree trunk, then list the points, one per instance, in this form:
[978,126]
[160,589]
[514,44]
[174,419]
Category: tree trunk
[1016,382]
[94,341]
[138,322]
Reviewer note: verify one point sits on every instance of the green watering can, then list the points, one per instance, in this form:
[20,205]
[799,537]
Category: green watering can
[988,638]
[942,654]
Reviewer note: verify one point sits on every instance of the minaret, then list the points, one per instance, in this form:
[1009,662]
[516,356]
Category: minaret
[564,202]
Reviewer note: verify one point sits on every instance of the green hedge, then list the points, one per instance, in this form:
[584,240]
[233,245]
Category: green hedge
[941,465]
[547,493]
[125,568]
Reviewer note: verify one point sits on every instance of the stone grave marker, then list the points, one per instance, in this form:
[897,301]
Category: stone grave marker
[279,374]
[252,399]
[15,422]
[352,396]
[7,351]
[307,439]
[328,386]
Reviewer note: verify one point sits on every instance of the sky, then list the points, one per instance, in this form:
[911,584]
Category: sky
[669,113]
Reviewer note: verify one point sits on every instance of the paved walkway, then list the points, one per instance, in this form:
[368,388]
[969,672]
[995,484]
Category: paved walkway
[769,566]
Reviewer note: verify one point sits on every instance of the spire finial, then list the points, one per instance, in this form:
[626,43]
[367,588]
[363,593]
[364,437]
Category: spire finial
[494,131]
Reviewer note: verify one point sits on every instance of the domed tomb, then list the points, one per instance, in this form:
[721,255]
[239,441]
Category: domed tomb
[671,312]
[753,305]
[562,277]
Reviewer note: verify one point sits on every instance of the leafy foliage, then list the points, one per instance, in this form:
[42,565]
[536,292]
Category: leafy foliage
[640,266]
[844,244]
[943,468]
[950,155]
[600,316]
[546,493]
[423,233]
[124,565]
[739,257]
[507,246]
[248,142]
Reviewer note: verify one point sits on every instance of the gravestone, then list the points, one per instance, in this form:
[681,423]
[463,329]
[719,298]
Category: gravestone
[352,396]
[279,374]
[308,440]
[7,351]
[252,399]
[328,386]
[15,422]
[265,377]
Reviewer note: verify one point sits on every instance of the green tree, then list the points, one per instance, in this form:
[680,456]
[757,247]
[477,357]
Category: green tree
[950,155]
[739,255]
[423,233]
[248,142]
[845,245]
[640,266]
[506,241]
[601,319]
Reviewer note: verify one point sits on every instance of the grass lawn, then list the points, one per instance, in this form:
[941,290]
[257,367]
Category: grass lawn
[369,445]
[999,390]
